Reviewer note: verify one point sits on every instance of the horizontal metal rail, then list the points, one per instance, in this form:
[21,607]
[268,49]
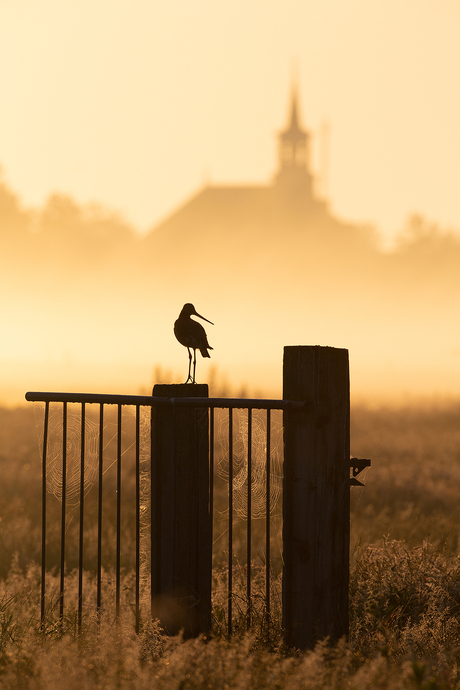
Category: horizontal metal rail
[148,400]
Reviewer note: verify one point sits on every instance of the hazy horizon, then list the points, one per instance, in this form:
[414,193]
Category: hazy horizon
[90,304]
[141,170]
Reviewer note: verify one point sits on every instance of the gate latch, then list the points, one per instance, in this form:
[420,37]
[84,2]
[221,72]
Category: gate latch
[357,465]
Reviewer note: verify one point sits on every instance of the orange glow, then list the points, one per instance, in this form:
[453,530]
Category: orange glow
[134,107]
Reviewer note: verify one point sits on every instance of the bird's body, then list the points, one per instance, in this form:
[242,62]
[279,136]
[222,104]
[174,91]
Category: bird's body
[192,335]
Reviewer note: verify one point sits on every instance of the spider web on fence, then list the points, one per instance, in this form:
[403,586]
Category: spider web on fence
[54,455]
[258,463]
[54,459]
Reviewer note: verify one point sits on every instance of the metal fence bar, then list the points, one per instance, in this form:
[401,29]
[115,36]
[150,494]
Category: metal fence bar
[82,497]
[99,510]
[249,522]
[267,523]
[211,465]
[44,457]
[118,549]
[63,510]
[138,512]
[230,521]
[155,526]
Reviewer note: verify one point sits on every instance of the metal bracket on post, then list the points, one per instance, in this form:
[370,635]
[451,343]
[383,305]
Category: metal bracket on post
[357,465]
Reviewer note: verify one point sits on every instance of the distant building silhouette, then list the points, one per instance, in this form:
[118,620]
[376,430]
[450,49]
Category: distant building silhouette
[293,182]
[238,224]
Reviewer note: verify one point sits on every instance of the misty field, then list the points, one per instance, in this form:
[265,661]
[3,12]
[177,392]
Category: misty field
[404,589]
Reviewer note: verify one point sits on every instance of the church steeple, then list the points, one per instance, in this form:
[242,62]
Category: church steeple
[294,151]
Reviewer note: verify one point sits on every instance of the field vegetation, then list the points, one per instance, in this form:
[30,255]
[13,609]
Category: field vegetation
[404,589]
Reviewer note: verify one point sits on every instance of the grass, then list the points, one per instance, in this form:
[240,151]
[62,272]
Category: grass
[404,588]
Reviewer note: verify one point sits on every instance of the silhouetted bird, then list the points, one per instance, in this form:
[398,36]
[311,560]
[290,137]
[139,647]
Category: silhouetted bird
[192,335]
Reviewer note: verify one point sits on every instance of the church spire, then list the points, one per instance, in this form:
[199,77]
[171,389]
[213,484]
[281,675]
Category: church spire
[294,145]
[294,141]
[294,124]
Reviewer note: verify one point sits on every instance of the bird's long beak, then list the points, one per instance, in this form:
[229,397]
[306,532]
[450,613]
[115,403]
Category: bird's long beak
[204,319]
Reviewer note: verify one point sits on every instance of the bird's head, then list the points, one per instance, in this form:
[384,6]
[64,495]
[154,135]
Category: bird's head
[189,310]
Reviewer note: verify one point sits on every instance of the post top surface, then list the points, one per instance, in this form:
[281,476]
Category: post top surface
[181,390]
[314,347]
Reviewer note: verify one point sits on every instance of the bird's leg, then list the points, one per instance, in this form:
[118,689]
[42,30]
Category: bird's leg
[189,377]
[194,365]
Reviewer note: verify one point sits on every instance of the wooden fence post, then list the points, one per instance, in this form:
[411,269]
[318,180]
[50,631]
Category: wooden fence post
[181,543]
[316,499]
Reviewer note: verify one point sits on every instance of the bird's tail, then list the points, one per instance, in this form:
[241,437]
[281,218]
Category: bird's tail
[204,351]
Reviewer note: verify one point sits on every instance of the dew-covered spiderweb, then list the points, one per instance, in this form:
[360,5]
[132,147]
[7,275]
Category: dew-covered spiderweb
[54,451]
[54,455]
[258,461]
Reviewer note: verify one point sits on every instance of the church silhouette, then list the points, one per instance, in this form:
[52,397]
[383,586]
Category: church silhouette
[258,229]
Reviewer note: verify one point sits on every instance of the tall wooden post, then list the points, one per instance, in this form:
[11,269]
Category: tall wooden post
[181,551]
[316,503]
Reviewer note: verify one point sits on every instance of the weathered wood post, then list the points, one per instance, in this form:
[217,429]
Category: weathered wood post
[316,499]
[181,550]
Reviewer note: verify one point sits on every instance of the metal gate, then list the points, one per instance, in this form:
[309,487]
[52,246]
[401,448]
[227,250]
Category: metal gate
[91,447]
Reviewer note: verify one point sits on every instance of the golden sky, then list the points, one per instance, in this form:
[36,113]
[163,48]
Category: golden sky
[136,103]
